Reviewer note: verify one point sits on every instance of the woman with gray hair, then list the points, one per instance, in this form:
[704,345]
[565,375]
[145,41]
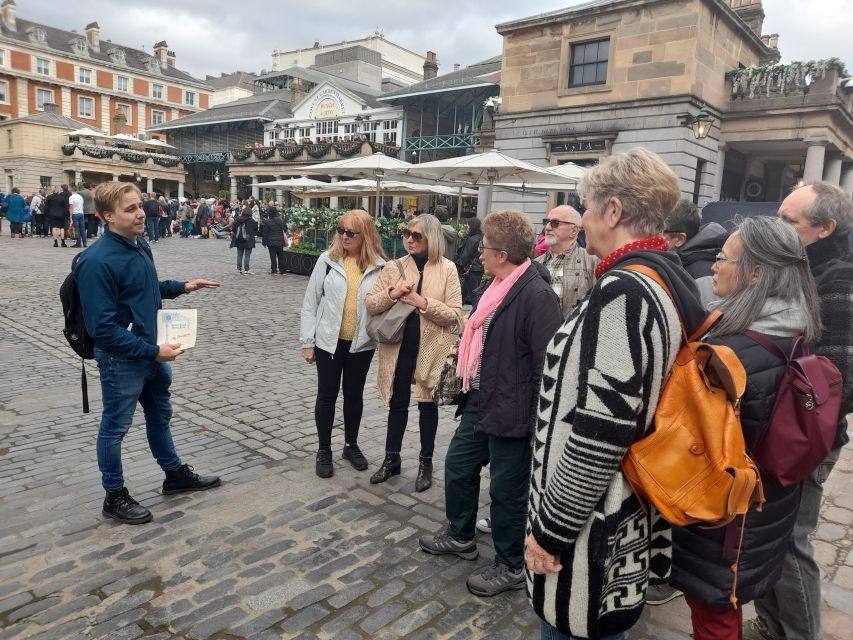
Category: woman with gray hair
[429,284]
[762,277]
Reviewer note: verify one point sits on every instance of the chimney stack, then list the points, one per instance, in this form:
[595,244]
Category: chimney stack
[456,67]
[170,58]
[50,107]
[430,65]
[774,41]
[161,52]
[93,36]
[297,91]
[751,12]
[8,12]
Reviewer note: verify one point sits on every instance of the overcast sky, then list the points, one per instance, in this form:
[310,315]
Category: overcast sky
[214,36]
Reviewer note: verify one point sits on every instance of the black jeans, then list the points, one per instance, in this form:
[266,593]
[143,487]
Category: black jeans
[398,413]
[352,367]
[91,225]
[243,257]
[276,255]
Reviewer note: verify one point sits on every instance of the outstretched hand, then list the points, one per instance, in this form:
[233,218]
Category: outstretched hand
[194,285]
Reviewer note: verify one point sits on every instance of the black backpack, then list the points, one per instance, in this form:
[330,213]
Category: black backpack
[75,329]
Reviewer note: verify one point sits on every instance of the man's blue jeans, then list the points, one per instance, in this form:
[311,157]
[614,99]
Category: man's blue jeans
[550,633]
[124,383]
[153,226]
[79,221]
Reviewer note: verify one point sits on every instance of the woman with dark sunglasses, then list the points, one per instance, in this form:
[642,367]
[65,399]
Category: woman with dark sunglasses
[333,332]
[431,286]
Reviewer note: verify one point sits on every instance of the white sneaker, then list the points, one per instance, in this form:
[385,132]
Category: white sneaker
[249,273]
[484,525]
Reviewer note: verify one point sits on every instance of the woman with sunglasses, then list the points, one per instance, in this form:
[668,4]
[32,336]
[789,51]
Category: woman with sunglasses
[333,332]
[431,286]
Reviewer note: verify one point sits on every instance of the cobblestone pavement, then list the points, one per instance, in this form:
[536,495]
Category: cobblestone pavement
[275,552]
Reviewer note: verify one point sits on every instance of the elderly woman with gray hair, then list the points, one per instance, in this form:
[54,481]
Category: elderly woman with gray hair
[762,277]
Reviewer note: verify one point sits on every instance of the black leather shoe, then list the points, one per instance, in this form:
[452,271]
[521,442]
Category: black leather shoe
[120,505]
[390,467]
[424,479]
[185,479]
[355,457]
[324,467]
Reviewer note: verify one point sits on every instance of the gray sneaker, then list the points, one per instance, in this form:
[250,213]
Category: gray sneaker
[484,525]
[440,544]
[661,594]
[494,579]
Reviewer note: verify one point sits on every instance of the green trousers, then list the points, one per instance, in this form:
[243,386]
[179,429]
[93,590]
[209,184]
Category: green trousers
[509,464]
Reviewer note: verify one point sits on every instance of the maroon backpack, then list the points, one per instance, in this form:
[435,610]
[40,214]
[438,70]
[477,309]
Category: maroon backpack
[804,420]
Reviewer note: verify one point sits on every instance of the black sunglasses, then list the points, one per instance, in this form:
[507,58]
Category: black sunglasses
[349,233]
[556,223]
[414,235]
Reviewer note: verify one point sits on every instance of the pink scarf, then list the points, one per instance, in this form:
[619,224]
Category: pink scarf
[471,345]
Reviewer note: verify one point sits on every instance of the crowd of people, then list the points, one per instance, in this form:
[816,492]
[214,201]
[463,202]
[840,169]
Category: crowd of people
[561,363]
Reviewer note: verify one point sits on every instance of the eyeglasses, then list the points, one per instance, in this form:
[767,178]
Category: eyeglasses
[414,235]
[481,247]
[721,258]
[349,233]
[554,223]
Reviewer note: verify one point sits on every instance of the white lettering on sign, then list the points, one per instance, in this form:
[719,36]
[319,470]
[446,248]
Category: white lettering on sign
[326,108]
[328,103]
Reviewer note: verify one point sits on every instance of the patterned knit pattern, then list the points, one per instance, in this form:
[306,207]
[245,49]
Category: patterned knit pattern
[600,386]
[349,321]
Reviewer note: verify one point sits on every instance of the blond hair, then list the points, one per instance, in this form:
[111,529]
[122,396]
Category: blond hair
[371,245]
[642,182]
[432,231]
[108,195]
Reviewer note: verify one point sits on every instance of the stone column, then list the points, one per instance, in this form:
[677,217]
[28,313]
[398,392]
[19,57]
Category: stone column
[23,99]
[233,187]
[279,193]
[78,176]
[149,185]
[106,116]
[365,204]
[832,170]
[815,155]
[333,202]
[115,177]
[65,102]
[256,190]
[140,117]
[180,190]
[847,179]
[719,170]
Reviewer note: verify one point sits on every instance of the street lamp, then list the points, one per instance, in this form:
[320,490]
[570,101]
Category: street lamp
[700,124]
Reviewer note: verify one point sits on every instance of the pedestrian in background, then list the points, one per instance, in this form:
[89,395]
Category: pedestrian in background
[243,233]
[333,332]
[152,216]
[273,237]
[468,262]
[15,212]
[78,218]
[56,209]
[89,210]
[431,286]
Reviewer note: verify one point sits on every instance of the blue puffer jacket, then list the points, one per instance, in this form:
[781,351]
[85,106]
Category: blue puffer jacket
[702,557]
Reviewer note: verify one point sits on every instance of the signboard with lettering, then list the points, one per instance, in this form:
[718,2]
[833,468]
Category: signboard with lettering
[578,146]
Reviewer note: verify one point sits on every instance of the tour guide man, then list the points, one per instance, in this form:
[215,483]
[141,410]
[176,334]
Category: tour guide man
[120,296]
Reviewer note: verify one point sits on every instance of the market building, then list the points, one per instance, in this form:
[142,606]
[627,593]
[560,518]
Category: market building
[694,80]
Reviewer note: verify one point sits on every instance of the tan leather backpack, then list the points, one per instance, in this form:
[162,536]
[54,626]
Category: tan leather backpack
[694,467]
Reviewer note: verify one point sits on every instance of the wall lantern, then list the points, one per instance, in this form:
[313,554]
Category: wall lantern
[700,124]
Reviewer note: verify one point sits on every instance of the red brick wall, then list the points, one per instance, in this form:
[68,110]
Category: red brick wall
[21,61]
[65,71]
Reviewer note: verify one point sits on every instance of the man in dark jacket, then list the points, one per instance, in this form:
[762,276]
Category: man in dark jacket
[821,214]
[272,237]
[152,216]
[120,297]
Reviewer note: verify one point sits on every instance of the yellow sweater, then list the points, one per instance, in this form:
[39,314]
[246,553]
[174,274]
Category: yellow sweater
[350,317]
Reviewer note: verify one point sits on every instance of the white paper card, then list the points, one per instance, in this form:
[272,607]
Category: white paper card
[177,326]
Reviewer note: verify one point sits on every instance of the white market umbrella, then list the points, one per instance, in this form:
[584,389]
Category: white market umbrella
[569,170]
[156,142]
[86,132]
[485,169]
[373,166]
[389,187]
[293,184]
[125,137]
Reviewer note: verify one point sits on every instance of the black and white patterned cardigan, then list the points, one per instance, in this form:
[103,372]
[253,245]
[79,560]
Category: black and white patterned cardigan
[603,373]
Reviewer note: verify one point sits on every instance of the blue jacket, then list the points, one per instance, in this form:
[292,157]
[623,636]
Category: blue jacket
[120,295]
[15,212]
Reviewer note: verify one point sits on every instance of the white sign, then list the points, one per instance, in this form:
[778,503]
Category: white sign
[177,326]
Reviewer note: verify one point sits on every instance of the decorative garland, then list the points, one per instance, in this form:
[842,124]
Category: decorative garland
[387,149]
[782,78]
[132,156]
[289,153]
[318,150]
[167,162]
[265,153]
[347,149]
[97,152]
[68,149]
[241,154]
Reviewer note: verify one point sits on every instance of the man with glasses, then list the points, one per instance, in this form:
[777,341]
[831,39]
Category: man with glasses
[572,269]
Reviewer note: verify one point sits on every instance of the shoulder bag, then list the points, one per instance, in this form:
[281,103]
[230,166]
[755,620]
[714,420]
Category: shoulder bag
[387,327]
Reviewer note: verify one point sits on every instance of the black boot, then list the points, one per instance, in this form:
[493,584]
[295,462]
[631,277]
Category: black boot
[424,478]
[185,479]
[390,467]
[63,243]
[120,506]
[355,457]
[324,467]
[55,243]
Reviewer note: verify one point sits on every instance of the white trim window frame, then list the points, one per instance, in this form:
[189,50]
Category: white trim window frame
[189,98]
[157,91]
[155,120]
[2,57]
[127,109]
[123,84]
[89,113]
[42,66]
[4,92]
[43,96]
[85,75]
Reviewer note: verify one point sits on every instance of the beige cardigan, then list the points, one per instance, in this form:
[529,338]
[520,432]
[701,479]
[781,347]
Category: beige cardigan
[443,313]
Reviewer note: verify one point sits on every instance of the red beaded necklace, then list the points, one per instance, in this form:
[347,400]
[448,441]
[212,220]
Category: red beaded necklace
[653,243]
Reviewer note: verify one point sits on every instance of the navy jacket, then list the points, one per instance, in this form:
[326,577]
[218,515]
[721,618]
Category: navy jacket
[120,295]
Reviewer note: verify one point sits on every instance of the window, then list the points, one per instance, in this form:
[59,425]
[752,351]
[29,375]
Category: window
[84,76]
[588,65]
[86,107]
[45,181]
[2,58]
[122,83]
[125,109]
[389,132]
[189,97]
[43,96]
[4,91]
[327,128]
[43,66]
[369,129]
[157,91]
[158,117]
[350,130]
[305,132]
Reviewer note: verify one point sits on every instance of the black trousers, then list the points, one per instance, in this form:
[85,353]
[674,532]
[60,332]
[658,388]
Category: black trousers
[331,369]
[401,395]
[91,225]
[276,256]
